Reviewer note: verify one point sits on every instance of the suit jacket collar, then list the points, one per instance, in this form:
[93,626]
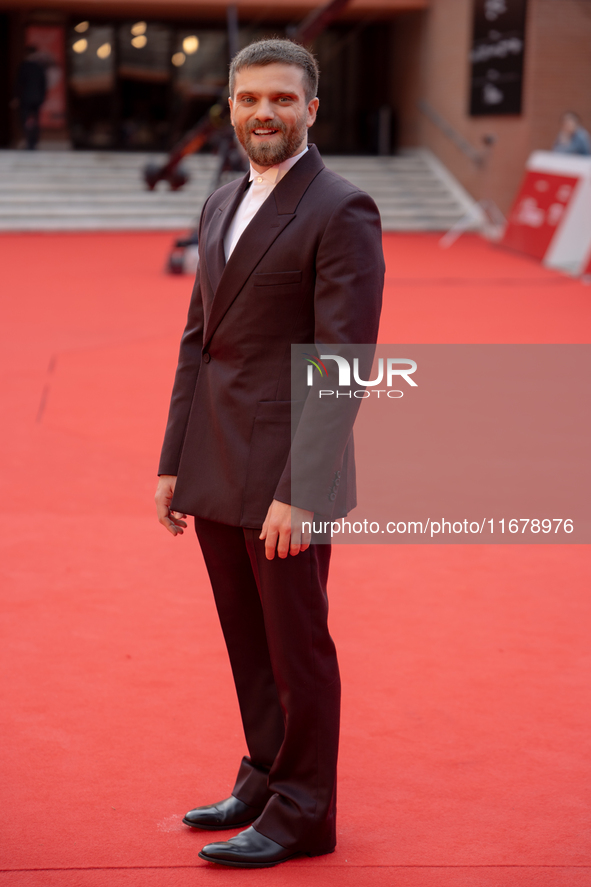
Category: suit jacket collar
[294,184]
[274,215]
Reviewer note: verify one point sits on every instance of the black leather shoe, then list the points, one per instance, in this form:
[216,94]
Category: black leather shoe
[230,813]
[251,850]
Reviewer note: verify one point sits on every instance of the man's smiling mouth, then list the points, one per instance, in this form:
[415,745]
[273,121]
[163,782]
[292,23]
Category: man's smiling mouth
[265,132]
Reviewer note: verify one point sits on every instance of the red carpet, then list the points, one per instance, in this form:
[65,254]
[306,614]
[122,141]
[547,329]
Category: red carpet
[466,718]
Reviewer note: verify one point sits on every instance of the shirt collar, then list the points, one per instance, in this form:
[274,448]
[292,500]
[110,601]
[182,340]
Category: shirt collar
[275,173]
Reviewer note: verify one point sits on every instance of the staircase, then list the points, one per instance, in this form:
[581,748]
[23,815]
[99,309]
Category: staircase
[92,191]
[413,191]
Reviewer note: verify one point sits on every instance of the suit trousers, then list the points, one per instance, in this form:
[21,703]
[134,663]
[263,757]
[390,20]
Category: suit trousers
[274,620]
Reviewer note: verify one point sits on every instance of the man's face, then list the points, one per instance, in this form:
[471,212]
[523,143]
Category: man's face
[270,113]
[569,124]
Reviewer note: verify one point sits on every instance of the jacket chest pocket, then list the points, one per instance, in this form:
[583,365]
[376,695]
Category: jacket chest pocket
[276,278]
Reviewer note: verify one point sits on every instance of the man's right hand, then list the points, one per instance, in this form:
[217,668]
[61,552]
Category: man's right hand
[172,520]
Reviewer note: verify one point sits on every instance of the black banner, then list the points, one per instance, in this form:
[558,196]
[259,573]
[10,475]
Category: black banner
[497,57]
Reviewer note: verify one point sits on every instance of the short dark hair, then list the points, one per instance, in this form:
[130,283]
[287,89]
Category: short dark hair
[282,52]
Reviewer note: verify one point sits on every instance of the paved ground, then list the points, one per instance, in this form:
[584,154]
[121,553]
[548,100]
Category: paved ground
[464,757]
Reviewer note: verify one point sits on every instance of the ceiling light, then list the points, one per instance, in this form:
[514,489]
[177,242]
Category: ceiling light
[82,27]
[139,42]
[80,45]
[191,44]
[138,28]
[178,59]
[104,51]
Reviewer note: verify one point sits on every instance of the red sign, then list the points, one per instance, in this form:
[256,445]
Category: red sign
[50,43]
[538,211]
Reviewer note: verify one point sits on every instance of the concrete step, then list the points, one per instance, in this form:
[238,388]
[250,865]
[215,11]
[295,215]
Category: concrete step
[169,200]
[62,204]
[107,223]
[75,190]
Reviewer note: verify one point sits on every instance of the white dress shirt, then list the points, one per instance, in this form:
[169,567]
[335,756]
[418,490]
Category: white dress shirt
[261,185]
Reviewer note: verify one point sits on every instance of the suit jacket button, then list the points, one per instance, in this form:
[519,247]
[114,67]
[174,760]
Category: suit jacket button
[206,357]
[332,497]
[338,474]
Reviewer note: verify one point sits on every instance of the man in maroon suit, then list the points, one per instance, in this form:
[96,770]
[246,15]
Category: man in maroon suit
[289,254]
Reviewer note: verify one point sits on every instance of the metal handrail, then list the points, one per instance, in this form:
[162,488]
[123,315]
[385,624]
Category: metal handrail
[477,157]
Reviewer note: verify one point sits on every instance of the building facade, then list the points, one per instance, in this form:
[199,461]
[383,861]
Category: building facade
[481,83]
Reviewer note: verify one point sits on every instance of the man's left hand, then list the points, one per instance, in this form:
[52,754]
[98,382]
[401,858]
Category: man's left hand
[283,531]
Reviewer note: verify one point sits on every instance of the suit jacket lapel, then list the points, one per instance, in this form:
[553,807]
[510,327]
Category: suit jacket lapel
[272,218]
[215,258]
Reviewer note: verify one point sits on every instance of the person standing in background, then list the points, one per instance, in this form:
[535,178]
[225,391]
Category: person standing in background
[31,91]
[572,138]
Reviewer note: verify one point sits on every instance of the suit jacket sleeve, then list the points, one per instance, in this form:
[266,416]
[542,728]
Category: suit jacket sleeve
[347,304]
[184,385]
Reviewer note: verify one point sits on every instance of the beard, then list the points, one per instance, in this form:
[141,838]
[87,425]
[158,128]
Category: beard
[270,154]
